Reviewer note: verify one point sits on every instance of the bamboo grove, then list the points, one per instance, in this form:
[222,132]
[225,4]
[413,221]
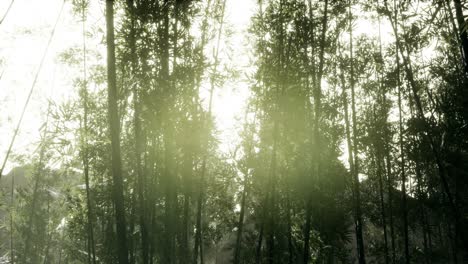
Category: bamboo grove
[352,145]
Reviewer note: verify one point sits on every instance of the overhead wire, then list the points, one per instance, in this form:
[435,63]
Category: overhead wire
[1,21]
[33,85]
[7,11]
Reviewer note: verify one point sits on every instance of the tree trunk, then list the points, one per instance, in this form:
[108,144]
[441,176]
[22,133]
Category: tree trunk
[317,93]
[185,254]
[380,148]
[30,256]
[240,224]
[421,199]
[389,185]
[289,223]
[402,153]
[12,207]
[462,28]
[271,201]
[258,250]
[245,190]
[49,234]
[170,204]
[357,191]
[348,130]
[198,249]
[118,196]
[91,245]
[390,200]
[140,183]
[382,205]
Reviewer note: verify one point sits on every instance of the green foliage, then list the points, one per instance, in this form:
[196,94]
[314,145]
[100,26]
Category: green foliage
[184,197]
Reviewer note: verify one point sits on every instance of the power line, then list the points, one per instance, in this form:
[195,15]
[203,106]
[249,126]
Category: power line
[1,21]
[8,10]
[31,90]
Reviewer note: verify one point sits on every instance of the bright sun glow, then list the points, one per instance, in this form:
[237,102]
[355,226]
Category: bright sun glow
[24,35]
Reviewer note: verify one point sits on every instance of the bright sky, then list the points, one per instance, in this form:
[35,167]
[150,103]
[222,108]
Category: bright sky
[24,35]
